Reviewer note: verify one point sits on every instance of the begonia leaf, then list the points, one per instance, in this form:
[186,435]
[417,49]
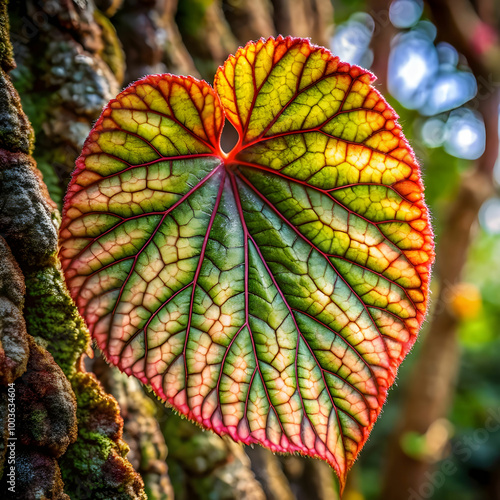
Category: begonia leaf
[269,293]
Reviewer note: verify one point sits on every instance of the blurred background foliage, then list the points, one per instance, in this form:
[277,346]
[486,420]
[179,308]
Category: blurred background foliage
[438,63]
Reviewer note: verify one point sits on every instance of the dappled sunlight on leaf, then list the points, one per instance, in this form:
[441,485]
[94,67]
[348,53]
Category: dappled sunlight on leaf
[271,292]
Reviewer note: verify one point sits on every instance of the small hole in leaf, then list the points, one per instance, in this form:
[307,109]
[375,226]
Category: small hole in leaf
[229,137]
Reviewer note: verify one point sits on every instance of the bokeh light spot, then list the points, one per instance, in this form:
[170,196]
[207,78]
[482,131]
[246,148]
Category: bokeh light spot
[489,215]
[405,13]
[465,135]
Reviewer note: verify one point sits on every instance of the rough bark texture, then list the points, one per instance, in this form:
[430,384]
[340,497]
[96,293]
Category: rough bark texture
[52,458]
[69,66]
[14,349]
[37,405]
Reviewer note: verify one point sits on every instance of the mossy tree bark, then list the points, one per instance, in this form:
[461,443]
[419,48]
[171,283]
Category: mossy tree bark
[67,430]
[72,58]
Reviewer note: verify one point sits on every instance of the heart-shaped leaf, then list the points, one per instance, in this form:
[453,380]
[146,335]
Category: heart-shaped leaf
[269,293]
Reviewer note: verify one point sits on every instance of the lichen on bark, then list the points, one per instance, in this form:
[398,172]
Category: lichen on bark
[69,66]
[42,348]
[14,348]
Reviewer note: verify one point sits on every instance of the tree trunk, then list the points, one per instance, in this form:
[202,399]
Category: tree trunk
[65,425]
